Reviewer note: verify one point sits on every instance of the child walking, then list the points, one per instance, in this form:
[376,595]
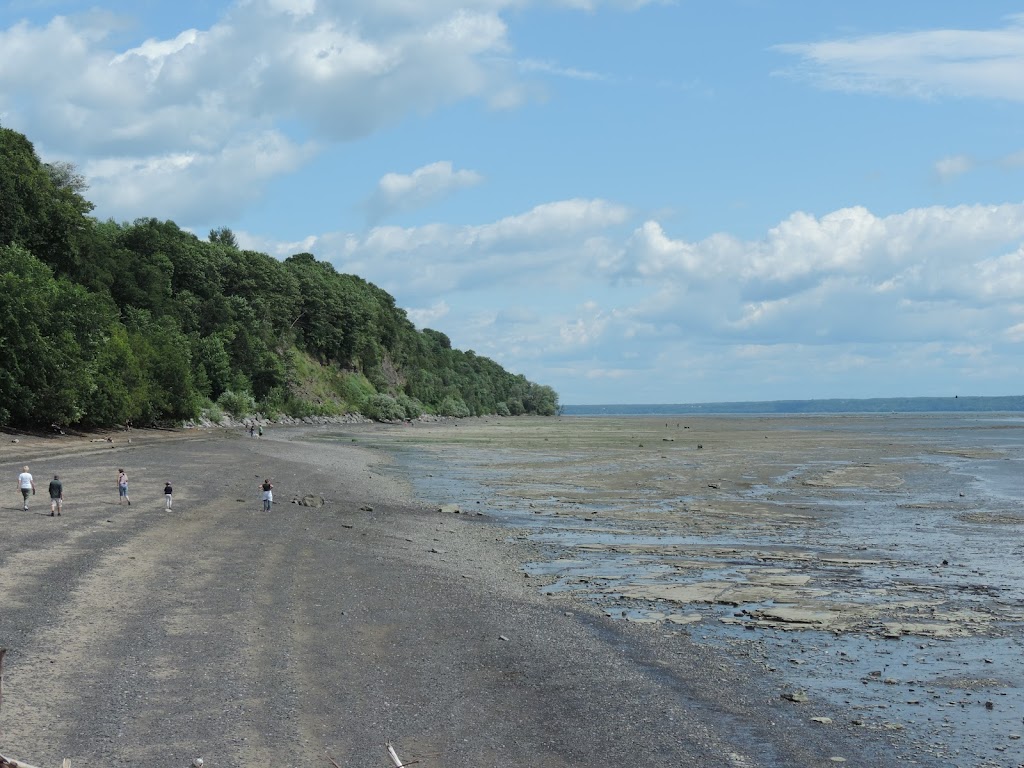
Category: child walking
[168,495]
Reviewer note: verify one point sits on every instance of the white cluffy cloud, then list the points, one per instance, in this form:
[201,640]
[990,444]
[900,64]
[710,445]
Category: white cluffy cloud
[162,111]
[560,237]
[397,193]
[983,63]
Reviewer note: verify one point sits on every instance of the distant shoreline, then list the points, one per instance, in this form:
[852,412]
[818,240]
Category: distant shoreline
[837,406]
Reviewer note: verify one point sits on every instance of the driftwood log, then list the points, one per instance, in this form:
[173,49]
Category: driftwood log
[8,762]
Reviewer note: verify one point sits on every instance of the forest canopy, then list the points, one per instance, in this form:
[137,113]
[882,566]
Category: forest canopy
[103,322]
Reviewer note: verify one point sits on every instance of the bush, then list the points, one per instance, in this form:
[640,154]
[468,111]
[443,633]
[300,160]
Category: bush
[453,406]
[413,408]
[238,404]
[212,411]
[299,408]
[383,408]
[502,410]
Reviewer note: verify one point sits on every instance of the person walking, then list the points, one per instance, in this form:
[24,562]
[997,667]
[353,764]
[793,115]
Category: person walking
[168,495]
[27,486]
[260,432]
[56,496]
[268,494]
[122,487]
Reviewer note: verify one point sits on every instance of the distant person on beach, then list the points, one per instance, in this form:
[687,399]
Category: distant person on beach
[268,494]
[122,487]
[27,486]
[252,430]
[261,430]
[56,496]
[168,495]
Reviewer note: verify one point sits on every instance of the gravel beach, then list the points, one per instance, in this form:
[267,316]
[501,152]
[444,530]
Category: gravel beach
[309,635]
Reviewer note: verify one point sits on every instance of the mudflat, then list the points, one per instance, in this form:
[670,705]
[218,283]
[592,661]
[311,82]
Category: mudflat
[309,635]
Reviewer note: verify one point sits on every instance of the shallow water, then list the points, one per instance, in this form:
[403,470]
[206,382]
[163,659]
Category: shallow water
[873,561]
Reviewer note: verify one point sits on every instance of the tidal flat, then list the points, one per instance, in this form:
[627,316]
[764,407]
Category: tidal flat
[868,563]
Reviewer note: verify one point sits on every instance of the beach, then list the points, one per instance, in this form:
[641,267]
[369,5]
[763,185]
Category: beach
[870,562]
[423,602]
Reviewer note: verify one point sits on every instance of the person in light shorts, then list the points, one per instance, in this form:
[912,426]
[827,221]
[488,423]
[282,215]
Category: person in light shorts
[27,486]
[268,494]
[122,487]
[56,496]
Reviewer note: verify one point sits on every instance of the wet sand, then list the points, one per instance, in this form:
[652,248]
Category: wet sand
[141,636]
[861,560]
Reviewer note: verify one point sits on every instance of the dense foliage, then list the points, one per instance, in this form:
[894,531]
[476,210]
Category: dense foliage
[102,322]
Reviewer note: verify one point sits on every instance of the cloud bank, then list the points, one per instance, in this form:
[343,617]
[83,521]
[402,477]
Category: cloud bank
[926,64]
[565,288]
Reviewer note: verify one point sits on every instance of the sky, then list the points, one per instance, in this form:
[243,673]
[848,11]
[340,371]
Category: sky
[630,201]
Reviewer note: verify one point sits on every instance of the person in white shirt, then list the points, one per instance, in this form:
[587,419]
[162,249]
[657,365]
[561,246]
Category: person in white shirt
[26,485]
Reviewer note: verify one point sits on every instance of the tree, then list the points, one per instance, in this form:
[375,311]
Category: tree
[51,335]
[102,321]
[40,205]
[223,236]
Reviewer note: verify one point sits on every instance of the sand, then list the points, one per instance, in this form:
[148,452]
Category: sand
[141,636]
[870,560]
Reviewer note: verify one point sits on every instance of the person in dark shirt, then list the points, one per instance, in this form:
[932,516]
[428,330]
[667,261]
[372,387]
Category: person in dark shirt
[168,497]
[56,496]
[122,487]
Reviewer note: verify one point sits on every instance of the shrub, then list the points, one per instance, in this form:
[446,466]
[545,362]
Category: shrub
[413,408]
[502,410]
[299,408]
[383,408]
[213,412]
[237,403]
[453,406]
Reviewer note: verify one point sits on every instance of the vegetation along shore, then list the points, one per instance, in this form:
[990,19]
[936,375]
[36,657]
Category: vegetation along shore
[105,323]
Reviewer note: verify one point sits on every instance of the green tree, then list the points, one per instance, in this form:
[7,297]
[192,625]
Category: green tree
[51,336]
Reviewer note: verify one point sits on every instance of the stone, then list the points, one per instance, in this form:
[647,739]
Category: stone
[312,500]
[798,696]
[690,618]
[450,509]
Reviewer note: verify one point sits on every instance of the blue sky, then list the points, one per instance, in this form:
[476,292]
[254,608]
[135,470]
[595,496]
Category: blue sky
[630,201]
